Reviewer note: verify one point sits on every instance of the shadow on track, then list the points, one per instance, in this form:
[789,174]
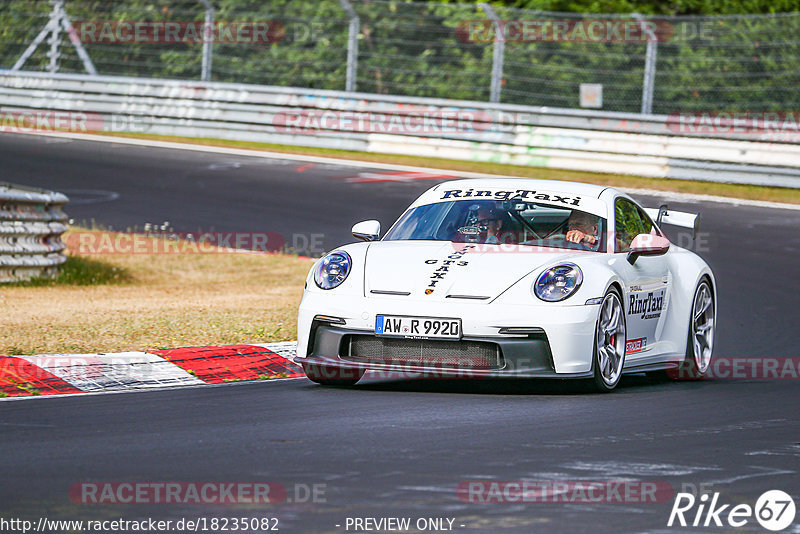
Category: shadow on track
[518,386]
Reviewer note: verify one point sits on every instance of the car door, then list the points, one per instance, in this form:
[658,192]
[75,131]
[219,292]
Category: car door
[647,283]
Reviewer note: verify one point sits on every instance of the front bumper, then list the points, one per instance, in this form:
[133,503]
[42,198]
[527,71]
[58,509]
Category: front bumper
[559,344]
[527,357]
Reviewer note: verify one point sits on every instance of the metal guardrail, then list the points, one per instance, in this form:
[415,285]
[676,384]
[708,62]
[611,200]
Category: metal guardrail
[627,143]
[31,224]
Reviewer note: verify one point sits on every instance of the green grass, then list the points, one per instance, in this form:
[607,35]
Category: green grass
[81,271]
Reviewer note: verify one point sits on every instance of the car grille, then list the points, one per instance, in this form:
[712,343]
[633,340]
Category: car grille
[421,352]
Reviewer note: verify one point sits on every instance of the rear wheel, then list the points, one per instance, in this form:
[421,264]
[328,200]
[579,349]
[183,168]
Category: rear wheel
[328,375]
[609,343]
[700,343]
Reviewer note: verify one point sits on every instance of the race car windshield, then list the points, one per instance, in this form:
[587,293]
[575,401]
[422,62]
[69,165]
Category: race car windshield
[508,222]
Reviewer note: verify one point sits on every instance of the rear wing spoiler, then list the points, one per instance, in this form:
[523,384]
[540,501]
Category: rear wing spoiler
[676,218]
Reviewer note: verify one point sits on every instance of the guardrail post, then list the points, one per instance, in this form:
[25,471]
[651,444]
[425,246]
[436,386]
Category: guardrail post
[648,84]
[352,46]
[498,54]
[208,31]
[31,225]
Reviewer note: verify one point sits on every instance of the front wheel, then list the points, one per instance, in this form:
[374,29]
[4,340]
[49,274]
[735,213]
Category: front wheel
[328,375]
[609,343]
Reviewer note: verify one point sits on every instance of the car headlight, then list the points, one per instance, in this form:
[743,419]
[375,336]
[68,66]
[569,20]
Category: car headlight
[333,269]
[558,283]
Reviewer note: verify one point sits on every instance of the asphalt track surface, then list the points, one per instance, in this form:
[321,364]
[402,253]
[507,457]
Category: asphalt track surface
[401,448]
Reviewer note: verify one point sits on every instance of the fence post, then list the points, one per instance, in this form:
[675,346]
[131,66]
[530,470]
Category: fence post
[58,18]
[208,31]
[648,84]
[54,54]
[32,47]
[352,46]
[498,53]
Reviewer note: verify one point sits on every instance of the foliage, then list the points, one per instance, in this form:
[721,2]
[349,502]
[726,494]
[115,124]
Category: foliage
[704,62]
[659,7]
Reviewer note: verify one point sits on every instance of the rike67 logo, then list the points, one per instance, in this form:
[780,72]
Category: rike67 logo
[774,510]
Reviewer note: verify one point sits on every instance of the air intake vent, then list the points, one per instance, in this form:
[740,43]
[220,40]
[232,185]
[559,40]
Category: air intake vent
[422,352]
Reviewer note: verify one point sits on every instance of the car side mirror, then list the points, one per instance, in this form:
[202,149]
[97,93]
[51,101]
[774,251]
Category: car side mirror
[647,245]
[367,230]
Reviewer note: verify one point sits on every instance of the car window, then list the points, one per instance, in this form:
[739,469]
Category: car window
[509,222]
[647,222]
[628,224]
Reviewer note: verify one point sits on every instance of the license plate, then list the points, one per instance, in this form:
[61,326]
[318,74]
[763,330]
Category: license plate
[417,327]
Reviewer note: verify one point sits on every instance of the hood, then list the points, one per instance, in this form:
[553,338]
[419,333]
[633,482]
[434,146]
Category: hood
[478,273]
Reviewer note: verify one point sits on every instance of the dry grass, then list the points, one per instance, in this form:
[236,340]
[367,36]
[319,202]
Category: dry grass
[751,192]
[156,301]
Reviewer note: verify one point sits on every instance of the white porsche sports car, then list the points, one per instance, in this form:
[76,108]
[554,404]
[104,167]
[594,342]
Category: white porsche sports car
[510,278]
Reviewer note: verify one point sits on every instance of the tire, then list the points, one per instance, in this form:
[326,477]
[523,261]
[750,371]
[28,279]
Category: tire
[700,339]
[328,375]
[610,336]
